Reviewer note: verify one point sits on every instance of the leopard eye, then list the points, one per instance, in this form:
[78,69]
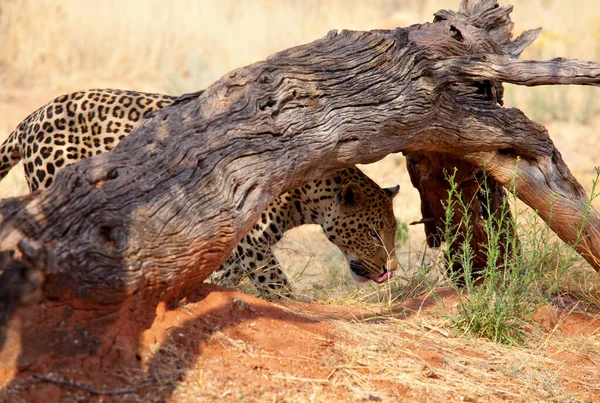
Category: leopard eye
[375,236]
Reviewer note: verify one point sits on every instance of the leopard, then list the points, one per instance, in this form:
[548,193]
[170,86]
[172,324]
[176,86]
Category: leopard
[355,213]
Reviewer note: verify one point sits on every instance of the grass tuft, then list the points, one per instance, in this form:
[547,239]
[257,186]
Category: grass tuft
[525,269]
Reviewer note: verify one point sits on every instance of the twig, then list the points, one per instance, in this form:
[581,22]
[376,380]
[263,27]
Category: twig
[91,390]
[297,379]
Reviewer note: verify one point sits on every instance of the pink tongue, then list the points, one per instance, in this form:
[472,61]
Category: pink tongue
[383,278]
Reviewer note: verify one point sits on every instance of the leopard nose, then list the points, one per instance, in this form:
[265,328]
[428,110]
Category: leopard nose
[391,265]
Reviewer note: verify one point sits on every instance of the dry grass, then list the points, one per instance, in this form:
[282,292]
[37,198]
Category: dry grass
[178,47]
[416,359]
[185,45]
[398,351]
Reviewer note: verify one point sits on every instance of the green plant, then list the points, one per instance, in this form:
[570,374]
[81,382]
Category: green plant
[524,268]
[401,232]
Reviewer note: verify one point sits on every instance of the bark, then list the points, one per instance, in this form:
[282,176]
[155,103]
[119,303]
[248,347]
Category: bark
[154,217]
[529,73]
[483,196]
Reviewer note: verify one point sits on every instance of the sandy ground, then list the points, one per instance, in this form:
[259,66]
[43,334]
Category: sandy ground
[226,346]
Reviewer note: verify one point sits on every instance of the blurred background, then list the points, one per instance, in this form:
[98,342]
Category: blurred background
[51,47]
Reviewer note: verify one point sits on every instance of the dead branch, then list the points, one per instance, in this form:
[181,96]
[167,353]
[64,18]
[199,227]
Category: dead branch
[558,71]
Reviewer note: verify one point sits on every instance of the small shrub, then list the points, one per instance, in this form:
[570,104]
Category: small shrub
[525,266]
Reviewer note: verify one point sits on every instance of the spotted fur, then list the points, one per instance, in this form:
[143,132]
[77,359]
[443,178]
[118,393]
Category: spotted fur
[73,127]
[354,212]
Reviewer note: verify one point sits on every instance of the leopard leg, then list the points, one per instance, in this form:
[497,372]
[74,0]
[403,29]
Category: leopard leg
[271,282]
[259,265]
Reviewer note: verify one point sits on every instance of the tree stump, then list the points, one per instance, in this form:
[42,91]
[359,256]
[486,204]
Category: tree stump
[484,197]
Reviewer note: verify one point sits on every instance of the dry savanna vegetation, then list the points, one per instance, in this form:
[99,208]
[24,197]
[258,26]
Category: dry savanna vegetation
[530,333]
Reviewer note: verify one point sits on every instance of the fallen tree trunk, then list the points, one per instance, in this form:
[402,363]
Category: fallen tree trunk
[153,218]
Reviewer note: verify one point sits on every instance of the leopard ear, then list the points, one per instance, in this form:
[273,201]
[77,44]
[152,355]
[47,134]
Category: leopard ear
[393,191]
[351,196]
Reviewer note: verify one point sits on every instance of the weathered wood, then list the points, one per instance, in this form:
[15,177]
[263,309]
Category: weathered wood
[528,72]
[484,197]
[153,218]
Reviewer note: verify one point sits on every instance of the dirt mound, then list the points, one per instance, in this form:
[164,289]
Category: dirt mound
[238,339]
[221,345]
[226,343]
